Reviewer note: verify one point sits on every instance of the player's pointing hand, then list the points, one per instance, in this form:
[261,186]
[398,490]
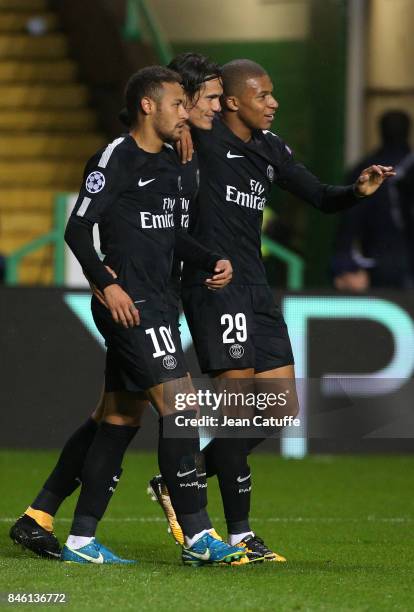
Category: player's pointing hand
[223,273]
[371,178]
[122,308]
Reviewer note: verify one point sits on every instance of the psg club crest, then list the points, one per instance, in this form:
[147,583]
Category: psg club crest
[169,362]
[270,173]
[95,182]
[236,351]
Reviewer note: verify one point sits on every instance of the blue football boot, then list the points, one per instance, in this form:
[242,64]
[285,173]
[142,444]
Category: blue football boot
[94,552]
[210,551]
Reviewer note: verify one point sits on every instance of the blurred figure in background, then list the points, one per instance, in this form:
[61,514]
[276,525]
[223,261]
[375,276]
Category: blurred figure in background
[404,190]
[372,247]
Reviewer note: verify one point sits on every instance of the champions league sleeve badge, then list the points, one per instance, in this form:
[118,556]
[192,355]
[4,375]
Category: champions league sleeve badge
[95,182]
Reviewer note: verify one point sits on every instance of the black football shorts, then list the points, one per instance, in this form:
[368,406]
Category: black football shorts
[141,357]
[238,327]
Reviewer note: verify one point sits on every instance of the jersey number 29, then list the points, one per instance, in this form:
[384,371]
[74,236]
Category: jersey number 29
[237,323]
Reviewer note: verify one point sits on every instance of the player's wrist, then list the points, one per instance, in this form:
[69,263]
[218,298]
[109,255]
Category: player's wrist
[357,193]
[110,285]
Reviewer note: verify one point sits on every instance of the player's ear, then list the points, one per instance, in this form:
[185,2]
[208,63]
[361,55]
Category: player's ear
[147,105]
[231,102]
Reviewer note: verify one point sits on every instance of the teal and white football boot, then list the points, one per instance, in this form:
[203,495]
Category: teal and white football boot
[94,552]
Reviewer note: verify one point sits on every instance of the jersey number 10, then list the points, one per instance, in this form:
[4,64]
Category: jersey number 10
[166,338]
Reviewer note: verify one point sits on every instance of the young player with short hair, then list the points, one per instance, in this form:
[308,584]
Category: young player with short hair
[239,334]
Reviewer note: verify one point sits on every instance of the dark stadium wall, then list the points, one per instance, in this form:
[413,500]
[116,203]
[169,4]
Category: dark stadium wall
[52,369]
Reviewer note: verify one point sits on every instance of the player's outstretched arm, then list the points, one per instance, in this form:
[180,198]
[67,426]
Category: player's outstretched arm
[298,180]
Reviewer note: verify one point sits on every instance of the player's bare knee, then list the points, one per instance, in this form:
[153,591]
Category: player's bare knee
[120,419]
[123,408]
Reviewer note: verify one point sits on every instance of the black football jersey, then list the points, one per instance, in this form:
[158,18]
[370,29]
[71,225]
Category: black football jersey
[189,180]
[134,196]
[236,178]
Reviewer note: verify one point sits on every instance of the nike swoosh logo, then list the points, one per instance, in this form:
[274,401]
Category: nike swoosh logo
[240,479]
[139,301]
[98,559]
[185,473]
[115,478]
[203,556]
[142,183]
[231,156]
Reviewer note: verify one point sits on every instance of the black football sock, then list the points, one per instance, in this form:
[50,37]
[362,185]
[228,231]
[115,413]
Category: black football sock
[238,527]
[208,454]
[229,458]
[84,525]
[176,459]
[65,477]
[202,479]
[194,523]
[252,443]
[100,475]
[202,490]
[48,502]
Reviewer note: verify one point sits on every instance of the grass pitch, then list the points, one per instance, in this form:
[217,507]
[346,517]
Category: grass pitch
[344,523]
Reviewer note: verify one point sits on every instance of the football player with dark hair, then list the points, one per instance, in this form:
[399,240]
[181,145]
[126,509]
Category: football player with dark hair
[239,334]
[131,189]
